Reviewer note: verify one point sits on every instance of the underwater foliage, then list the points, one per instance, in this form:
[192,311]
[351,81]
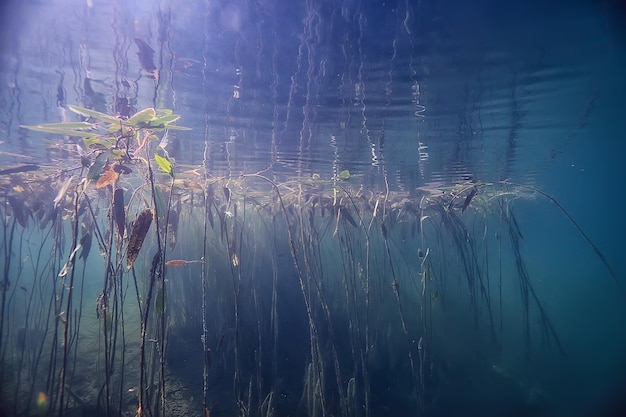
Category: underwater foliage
[296,297]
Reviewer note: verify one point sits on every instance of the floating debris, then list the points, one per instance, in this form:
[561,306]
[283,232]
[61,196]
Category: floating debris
[137,236]
[182,262]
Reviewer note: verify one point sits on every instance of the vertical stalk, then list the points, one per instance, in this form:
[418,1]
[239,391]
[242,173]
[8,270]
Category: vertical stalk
[205,367]
[5,280]
[68,309]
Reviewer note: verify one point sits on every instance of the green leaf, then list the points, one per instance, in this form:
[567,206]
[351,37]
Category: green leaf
[118,154]
[174,127]
[166,119]
[162,123]
[142,117]
[344,175]
[95,114]
[99,142]
[164,164]
[164,112]
[67,125]
[69,129]
[96,168]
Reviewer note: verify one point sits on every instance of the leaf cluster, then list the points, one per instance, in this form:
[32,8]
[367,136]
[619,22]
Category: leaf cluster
[112,137]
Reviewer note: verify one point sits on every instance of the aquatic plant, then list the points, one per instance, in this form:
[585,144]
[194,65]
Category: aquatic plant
[296,296]
[110,147]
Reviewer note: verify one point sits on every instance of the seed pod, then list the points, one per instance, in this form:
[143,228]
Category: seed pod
[137,236]
[118,211]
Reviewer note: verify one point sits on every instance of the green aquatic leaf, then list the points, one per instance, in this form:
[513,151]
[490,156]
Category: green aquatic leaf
[95,114]
[69,129]
[141,118]
[96,168]
[69,125]
[164,112]
[118,154]
[163,121]
[174,127]
[123,130]
[344,175]
[164,164]
[99,142]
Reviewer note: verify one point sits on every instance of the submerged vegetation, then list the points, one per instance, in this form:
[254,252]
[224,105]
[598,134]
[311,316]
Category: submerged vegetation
[291,296]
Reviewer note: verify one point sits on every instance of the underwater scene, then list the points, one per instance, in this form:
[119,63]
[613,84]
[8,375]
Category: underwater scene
[312,208]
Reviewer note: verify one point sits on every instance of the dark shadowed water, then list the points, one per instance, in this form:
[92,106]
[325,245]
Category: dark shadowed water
[381,208]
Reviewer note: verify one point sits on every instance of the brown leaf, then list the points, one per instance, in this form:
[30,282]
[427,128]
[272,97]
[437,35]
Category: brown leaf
[108,177]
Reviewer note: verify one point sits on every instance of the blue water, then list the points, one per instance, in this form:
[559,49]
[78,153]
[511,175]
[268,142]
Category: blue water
[512,100]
